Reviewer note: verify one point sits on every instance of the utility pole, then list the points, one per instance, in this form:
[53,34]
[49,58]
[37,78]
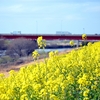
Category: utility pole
[36,26]
[61,26]
[83,30]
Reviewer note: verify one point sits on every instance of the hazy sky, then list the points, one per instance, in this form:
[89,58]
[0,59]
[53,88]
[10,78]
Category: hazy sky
[49,16]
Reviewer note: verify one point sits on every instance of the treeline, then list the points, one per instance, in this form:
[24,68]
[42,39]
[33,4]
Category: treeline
[18,47]
[15,49]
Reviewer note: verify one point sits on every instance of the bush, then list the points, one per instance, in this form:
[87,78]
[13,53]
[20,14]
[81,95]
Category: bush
[6,59]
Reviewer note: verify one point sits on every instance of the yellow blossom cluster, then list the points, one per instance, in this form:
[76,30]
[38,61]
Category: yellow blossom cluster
[71,43]
[41,42]
[72,76]
[35,54]
[84,36]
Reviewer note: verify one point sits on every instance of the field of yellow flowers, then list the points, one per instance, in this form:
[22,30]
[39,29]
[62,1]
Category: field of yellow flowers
[72,76]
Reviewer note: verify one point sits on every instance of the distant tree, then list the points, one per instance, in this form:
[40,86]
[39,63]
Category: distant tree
[3,45]
[21,47]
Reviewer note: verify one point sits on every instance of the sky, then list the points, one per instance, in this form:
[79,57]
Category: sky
[50,16]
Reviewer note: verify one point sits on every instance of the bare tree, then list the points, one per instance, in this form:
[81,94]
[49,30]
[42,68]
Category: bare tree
[2,44]
[21,47]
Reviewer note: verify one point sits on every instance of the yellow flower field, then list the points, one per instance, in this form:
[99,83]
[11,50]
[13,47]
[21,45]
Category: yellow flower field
[72,76]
